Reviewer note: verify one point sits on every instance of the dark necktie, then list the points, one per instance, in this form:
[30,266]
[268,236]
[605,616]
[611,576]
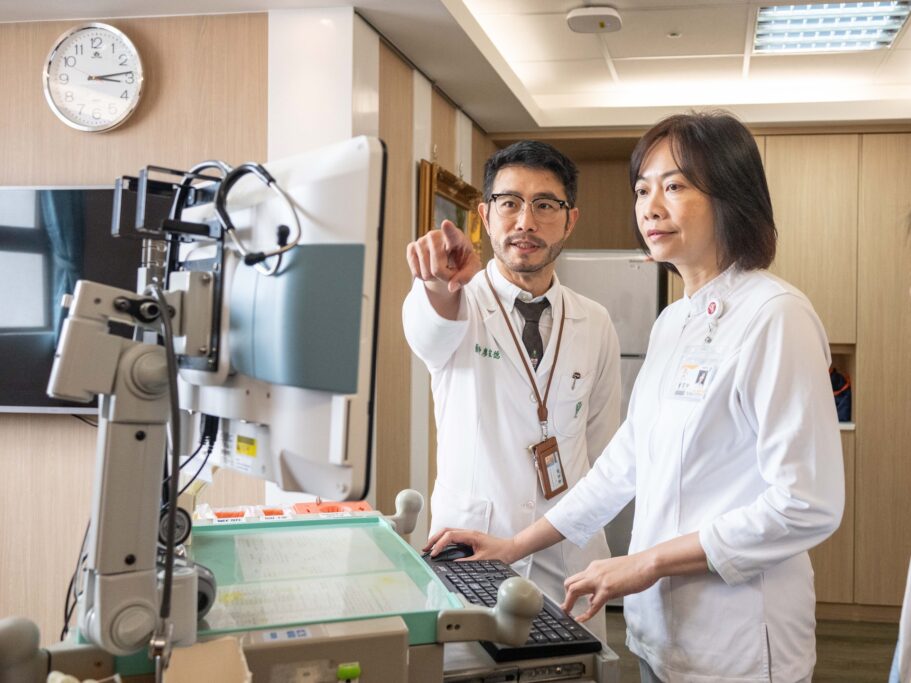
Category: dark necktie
[531,335]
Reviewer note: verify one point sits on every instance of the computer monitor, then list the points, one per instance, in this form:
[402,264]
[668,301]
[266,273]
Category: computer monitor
[294,391]
[51,237]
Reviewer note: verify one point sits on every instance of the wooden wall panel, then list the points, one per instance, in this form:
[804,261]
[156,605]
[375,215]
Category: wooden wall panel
[47,467]
[393,400]
[813,183]
[205,97]
[606,219]
[833,561]
[882,385]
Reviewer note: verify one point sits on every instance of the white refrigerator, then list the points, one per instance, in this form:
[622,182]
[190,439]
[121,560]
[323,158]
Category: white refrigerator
[633,290]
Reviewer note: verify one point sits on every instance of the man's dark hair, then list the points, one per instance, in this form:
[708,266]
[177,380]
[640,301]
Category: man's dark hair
[719,156]
[533,154]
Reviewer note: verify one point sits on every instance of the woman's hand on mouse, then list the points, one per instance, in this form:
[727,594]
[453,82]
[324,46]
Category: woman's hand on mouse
[485,547]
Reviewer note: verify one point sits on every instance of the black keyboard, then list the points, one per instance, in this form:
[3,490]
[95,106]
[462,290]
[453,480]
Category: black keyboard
[553,632]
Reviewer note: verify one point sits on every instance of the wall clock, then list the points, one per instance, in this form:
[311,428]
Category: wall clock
[93,77]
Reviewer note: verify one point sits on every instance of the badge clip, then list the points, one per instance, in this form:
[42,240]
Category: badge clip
[713,311]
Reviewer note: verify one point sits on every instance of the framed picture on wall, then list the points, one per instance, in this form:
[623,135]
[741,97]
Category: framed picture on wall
[441,196]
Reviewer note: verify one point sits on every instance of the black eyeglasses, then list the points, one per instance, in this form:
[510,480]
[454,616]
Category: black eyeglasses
[544,209]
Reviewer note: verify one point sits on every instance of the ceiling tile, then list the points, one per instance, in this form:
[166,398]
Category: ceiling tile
[538,37]
[904,39]
[703,31]
[678,4]
[674,69]
[481,7]
[852,66]
[565,77]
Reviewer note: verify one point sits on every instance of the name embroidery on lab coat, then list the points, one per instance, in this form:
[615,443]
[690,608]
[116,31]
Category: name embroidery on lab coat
[484,352]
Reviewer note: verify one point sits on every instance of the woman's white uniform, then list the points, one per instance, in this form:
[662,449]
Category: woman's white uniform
[731,433]
[486,414]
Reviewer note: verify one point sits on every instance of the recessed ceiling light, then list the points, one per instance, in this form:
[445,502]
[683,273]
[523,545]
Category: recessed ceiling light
[829,27]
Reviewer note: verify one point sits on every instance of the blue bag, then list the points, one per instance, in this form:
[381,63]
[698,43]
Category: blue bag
[841,389]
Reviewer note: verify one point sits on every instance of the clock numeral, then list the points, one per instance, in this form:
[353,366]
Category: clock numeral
[78,49]
[96,43]
[81,107]
[112,108]
[124,95]
[122,60]
[69,60]
[63,78]
[96,114]
[130,78]
[68,96]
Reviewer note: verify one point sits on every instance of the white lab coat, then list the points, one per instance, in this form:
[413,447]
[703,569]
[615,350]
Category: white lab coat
[901,663]
[755,467]
[486,415]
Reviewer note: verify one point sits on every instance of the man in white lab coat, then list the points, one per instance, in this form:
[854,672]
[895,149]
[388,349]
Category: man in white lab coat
[497,388]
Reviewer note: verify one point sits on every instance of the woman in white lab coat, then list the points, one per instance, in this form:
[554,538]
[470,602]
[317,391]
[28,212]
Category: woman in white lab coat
[731,444]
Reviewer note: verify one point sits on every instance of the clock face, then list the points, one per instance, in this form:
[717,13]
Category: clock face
[93,77]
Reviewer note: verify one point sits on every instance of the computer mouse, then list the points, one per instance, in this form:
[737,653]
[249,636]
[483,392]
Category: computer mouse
[454,551]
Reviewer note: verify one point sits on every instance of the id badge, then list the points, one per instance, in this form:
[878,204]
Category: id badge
[549,467]
[695,373]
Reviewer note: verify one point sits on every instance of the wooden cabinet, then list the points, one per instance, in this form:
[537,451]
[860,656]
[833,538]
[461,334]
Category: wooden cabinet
[882,393]
[833,561]
[760,144]
[605,202]
[813,183]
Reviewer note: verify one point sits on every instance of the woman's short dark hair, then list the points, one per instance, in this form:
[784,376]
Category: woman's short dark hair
[533,154]
[719,156]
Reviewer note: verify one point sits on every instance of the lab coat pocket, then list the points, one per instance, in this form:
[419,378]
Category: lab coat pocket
[720,627]
[453,508]
[571,406]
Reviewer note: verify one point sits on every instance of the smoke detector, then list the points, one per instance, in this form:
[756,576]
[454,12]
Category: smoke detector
[594,20]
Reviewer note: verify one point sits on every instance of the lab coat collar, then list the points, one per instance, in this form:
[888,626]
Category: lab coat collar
[508,293]
[716,288]
[497,325]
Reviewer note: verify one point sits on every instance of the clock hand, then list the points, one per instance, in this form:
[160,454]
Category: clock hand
[109,77]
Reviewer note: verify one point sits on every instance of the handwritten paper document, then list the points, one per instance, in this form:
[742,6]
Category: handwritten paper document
[309,575]
[309,553]
[308,600]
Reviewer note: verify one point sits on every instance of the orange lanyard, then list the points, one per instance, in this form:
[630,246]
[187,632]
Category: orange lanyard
[542,404]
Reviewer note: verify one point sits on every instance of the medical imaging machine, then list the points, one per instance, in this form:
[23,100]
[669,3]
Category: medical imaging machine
[254,342]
